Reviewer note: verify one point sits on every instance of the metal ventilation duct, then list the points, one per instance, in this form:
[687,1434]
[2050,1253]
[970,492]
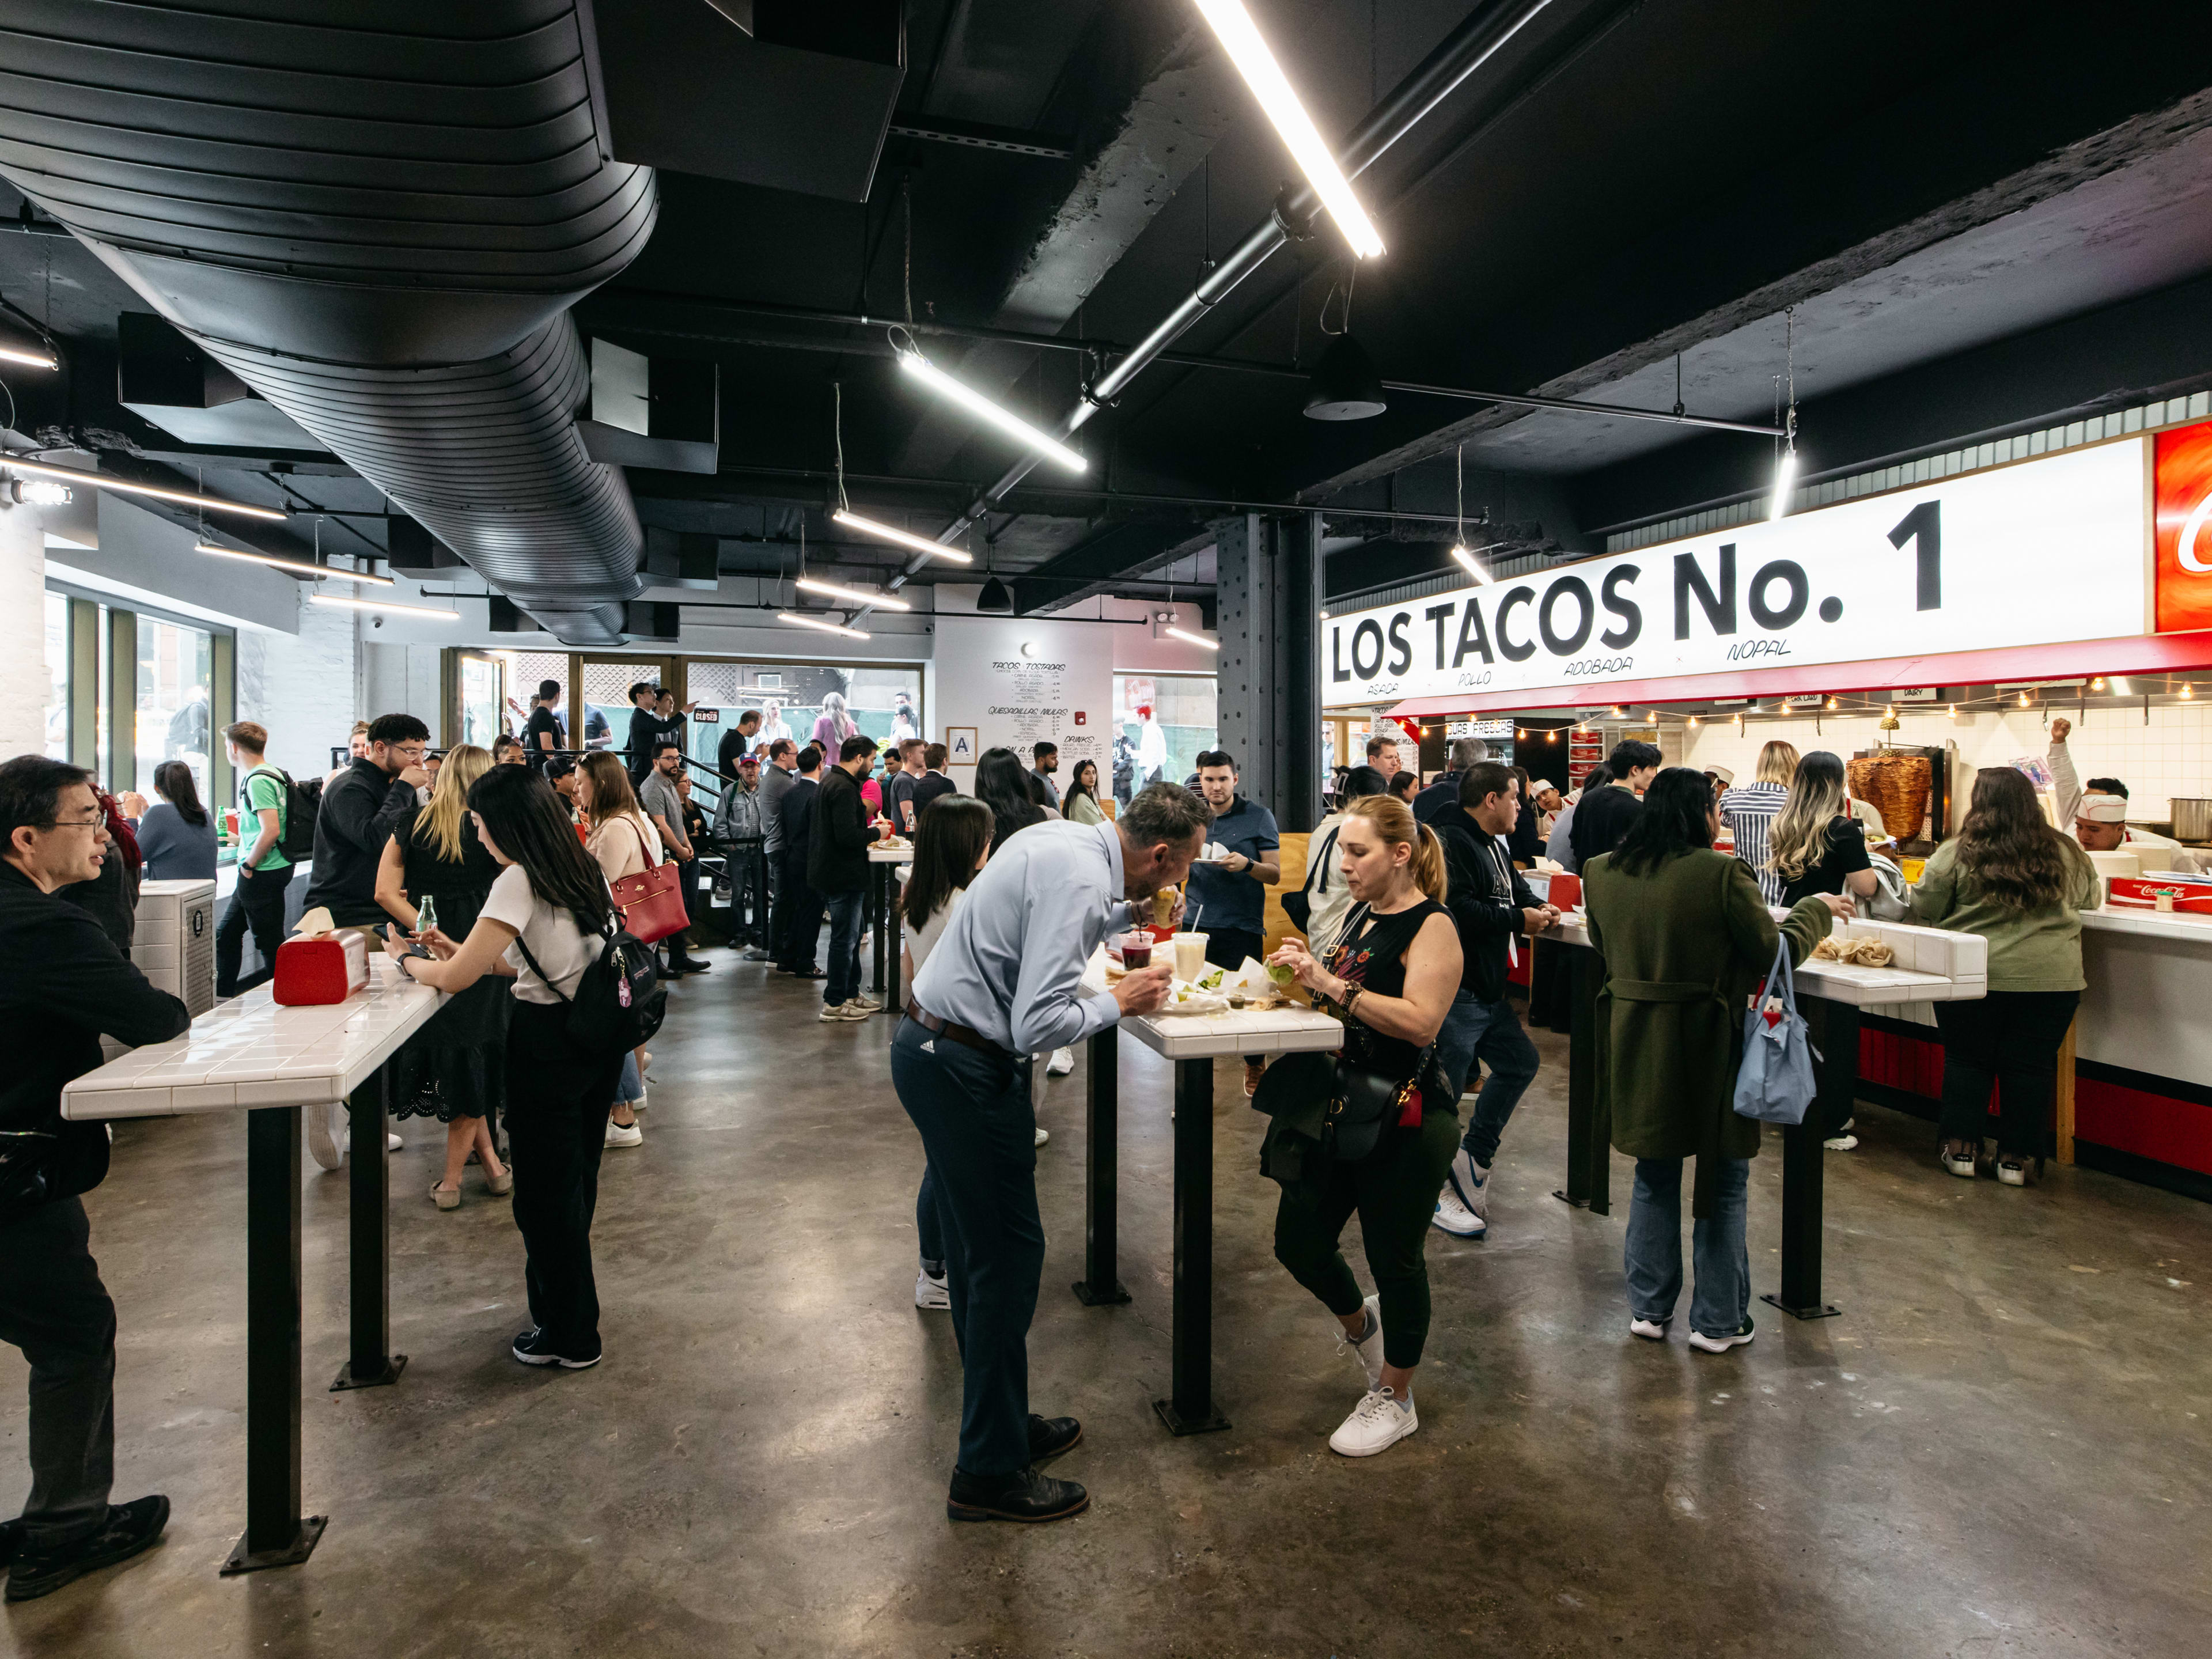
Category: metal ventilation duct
[377,214]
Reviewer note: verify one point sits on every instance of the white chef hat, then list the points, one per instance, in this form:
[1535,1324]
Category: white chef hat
[1722,773]
[1541,786]
[2102,809]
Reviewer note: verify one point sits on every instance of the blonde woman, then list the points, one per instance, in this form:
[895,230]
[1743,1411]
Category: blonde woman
[454,1069]
[1390,977]
[1749,811]
[625,843]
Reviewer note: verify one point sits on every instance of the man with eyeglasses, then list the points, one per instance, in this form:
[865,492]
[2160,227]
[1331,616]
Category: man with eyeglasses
[63,985]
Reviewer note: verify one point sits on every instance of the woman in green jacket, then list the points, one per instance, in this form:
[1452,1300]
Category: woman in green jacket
[2022,885]
[1686,939]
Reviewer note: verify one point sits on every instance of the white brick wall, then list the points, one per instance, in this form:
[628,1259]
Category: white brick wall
[22,632]
[302,687]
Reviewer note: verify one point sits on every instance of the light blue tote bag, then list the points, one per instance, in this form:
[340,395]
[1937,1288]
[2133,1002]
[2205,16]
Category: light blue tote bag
[1775,1083]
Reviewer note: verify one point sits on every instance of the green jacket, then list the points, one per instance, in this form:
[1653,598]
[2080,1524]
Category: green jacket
[2029,950]
[1685,948]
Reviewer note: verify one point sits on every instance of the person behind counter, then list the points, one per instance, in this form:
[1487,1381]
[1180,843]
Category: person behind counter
[2099,815]
[2010,877]
[177,835]
[1685,939]
[1749,811]
[67,986]
[1558,846]
[1602,815]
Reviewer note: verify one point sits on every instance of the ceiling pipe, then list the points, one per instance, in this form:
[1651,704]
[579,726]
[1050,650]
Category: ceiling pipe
[1481,35]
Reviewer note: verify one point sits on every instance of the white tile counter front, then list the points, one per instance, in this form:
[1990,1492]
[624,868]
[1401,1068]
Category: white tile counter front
[1238,1031]
[1931,965]
[250,1051]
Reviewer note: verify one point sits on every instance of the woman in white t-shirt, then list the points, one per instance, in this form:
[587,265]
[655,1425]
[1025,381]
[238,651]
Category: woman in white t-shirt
[549,900]
[625,843]
[953,842]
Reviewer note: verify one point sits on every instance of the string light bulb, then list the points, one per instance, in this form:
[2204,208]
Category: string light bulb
[2187,690]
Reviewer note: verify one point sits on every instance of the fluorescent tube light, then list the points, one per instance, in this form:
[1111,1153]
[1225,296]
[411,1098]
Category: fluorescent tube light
[885,600]
[384,604]
[903,537]
[126,487]
[41,492]
[2120,686]
[826,627]
[1195,639]
[983,409]
[28,359]
[300,565]
[1248,52]
[1465,556]
[1785,474]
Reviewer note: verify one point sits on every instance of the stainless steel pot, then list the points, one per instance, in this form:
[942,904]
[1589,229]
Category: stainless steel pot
[2193,819]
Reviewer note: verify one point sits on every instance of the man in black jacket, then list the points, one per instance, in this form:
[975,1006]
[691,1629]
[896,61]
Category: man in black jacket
[364,807]
[796,923]
[837,868]
[1602,815]
[63,984]
[1491,906]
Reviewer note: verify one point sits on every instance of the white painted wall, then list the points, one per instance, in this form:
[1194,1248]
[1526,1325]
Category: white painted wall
[301,686]
[22,631]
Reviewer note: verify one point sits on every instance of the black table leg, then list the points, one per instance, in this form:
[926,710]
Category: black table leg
[1590,1169]
[276,1534]
[1802,1161]
[370,1363]
[879,879]
[1100,1286]
[1189,1409]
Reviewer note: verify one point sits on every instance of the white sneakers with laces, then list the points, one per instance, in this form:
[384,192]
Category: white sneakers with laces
[1369,1348]
[625,1134]
[1061,1063]
[1377,1423]
[1463,1206]
[931,1292]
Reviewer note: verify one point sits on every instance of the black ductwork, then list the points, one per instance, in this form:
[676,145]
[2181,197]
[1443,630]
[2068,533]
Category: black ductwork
[376,213]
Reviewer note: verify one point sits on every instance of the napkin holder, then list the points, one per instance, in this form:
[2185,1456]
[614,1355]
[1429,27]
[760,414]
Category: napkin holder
[320,964]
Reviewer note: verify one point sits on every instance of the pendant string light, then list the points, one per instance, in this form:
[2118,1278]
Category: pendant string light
[1459,549]
[1785,467]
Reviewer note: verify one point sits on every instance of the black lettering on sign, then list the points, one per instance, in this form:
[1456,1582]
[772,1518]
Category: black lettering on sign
[1631,614]
[1565,645]
[1924,528]
[1401,654]
[1513,653]
[1472,635]
[1362,665]
[1337,671]
[1719,608]
[1437,613]
[1779,616]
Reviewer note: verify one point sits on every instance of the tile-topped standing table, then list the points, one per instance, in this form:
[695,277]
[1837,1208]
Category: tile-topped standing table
[249,1054]
[1931,965]
[1192,1042]
[884,866]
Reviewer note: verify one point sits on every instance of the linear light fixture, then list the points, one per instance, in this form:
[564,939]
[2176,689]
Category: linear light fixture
[852,593]
[9,353]
[302,566]
[903,537]
[384,604]
[1195,639]
[793,616]
[1465,555]
[1785,474]
[920,368]
[1249,51]
[127,487]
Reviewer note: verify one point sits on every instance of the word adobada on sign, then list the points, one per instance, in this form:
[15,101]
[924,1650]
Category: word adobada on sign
[2035,554]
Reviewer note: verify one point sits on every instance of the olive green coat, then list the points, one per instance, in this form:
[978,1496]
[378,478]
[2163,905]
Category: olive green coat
[1685,948]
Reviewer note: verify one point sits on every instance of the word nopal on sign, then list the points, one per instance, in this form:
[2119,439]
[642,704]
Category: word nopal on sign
[2048,550]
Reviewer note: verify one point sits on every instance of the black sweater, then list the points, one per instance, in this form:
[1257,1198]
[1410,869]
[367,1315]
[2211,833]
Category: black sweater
[837,850]
[1484,908]
[1602,819]
[363,807]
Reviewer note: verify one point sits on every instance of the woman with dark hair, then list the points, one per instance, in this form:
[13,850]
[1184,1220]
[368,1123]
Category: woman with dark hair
[1685,939]
[177,837]
[950,846]
[1405,783]
[2009,876]
[1080,804]
[1002,783]
[542,926]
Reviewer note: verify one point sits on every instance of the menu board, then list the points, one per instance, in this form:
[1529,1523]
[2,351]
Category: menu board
[1022,682]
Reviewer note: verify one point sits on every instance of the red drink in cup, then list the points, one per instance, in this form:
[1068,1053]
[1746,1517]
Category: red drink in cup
[1136,950]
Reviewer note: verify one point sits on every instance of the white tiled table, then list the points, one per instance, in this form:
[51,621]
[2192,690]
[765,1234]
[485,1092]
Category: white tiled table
[250,1056]
[1192,1041]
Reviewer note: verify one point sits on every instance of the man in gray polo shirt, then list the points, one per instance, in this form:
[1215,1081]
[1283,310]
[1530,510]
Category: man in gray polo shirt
[776,780]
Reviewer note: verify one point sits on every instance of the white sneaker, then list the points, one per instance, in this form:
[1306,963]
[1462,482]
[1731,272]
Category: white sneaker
[1471,1183]
[625,1134]
[1377,1424]
[1369,1350]
[930,1292]
[326,1133]
[1651,1330]
[861,1008]
[1705,1343]
[834,1012]
[392,1142]
[1841,1143]
[1455,1217]
[1061,1063]
[638,1105]
[1043,1135]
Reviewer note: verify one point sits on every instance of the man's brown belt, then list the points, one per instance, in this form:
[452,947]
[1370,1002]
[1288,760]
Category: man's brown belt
[964,1034]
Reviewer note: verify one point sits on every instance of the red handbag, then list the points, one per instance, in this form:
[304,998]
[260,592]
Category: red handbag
[652,901]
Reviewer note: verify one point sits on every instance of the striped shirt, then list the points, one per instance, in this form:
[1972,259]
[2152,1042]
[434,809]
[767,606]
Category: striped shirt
[1749,811]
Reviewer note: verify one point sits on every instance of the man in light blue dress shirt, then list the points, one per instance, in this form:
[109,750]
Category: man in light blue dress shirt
[1003,984]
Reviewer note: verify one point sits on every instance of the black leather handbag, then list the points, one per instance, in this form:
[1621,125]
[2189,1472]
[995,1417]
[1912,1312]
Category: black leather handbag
[1362,1104]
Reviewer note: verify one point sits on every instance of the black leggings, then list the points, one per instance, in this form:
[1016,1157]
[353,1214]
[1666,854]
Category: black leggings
[557,1099]
[2009,1040]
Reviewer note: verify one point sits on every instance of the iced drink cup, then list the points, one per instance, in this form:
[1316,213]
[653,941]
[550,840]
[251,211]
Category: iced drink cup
[1190,955]
[1136,950]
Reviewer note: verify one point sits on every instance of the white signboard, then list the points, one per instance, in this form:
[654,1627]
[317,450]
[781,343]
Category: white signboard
[2048,550]
[1017,682]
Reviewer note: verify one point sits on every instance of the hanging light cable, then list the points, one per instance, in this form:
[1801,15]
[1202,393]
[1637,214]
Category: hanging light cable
[1785,469]
[1459,549]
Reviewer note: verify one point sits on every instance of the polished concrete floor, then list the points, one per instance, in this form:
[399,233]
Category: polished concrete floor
[2002,1447]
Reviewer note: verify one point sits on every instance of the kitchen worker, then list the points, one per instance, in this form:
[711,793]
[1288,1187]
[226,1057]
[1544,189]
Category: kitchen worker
[2099,816]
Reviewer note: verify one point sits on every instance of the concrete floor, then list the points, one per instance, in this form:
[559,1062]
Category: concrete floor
[2002,1447]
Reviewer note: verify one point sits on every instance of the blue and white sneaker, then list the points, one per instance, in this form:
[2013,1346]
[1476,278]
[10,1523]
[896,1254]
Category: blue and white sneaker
[1469,1182]
[1455,1217]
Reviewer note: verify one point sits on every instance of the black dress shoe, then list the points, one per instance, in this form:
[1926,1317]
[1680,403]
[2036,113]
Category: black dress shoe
[691,965]
[1026,1495]
[1051,1436]
[129,1528]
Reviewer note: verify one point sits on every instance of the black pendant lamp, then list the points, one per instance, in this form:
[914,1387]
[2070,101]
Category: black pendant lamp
[1345,386]
[994,596]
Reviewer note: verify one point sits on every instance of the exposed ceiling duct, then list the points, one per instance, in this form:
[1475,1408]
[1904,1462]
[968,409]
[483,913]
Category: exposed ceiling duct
[377,216]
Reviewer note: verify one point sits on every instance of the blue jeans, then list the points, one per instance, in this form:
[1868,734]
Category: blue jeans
[844,982]
[1653,1257]
[1490,1032]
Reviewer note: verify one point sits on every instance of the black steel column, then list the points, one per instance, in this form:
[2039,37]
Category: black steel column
[1301,590]
[1837,1037]
[275,1535]
[1189,1409]
[1101,1285]
[370,1363]
[1589,1167]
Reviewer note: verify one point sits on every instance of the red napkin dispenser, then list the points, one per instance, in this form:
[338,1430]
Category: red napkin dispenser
[330,969]
[1566,890]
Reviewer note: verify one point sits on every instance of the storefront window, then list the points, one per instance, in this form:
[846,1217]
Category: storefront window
[57,676]
[176,669]
[1163,723]
[526,672]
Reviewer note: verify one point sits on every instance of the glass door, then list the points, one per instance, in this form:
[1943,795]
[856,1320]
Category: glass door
[483,688]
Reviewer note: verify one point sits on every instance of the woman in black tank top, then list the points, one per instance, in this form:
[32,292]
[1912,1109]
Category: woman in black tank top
[1390,978]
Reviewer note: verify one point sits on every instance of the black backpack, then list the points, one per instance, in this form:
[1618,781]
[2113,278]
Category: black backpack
[301,802]
[620,1000]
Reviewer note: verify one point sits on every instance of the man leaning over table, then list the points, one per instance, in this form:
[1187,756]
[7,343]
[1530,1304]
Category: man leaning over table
[63,984]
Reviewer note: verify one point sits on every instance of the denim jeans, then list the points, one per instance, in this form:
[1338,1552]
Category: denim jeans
[844,964]
[1490,1032]
[1653,1257]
